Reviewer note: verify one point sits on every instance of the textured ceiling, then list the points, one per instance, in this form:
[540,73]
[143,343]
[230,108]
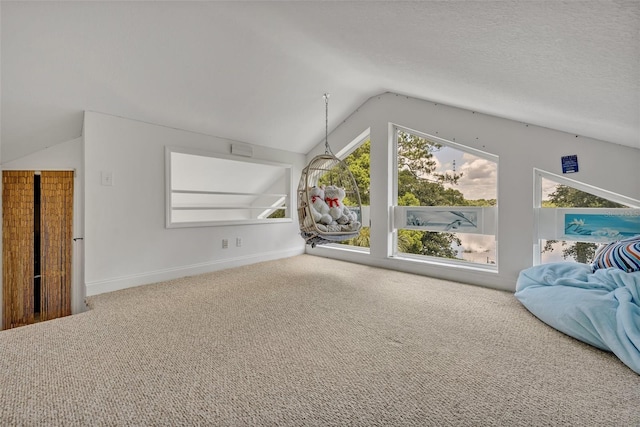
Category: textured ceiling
[256,71]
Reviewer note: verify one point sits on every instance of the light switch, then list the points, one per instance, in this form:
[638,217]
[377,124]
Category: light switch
[107,178]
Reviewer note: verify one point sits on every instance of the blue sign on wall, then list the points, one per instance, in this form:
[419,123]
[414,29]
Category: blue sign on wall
[570,164]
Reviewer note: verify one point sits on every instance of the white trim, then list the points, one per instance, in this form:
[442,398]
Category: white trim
[229,222]
[217,155]
[609,195]
[392,192]
[37,171]
[445,142]
[123,282]
[354,144]
[537,205]
[484,275]
[487,216]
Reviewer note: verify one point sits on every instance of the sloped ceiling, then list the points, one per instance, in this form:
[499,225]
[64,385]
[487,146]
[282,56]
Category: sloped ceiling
[256,71]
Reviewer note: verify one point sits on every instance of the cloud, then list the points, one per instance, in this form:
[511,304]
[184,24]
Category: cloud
[477,243]
[479,179]
[548,187]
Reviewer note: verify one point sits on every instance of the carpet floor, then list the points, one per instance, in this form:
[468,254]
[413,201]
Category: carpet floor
[308,341]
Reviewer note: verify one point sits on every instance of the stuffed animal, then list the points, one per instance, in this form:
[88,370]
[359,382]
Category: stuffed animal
[335,228]
[353,222]
[333,196]
[341,214]
[309,222]
[353,217]
[318,207]
[350,226]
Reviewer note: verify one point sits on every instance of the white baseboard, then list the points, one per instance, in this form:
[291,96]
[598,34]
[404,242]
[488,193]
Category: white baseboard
[463,274]
[123,282]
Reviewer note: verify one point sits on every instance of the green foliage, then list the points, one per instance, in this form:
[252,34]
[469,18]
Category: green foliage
[481,202]
[359,163]
[427,243]
[439,244]
[569,197]
[408,199]
[429,193]
[410,241]
[415,155]
[278,213]
[580,251]
[416,174]
[363,239]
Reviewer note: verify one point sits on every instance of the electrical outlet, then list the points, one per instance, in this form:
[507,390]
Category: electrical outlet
[238,241]
[225,243]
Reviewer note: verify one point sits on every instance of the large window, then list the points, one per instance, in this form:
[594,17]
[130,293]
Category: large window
[212,189]
[574,218]
[357,157]
[445,200]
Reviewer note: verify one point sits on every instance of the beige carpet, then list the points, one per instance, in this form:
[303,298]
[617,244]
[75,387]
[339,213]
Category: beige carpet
[308,341]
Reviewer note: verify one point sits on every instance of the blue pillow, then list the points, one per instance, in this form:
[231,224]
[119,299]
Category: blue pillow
[623,254]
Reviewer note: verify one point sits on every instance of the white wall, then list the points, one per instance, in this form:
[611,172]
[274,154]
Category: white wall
[64,156]
[520,147]
[126,242]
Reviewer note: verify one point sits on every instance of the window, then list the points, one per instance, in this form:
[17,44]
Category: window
[574,218]
[213,189]
[446,196]
[357,157]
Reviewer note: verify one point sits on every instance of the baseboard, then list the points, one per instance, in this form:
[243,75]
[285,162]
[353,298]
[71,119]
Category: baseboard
[123,282]
[463,274]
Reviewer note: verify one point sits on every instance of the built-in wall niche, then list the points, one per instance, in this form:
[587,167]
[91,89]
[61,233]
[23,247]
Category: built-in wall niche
[209,189]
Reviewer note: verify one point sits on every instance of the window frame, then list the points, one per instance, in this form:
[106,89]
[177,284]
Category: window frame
[548,222]
[488,215]
[342,154]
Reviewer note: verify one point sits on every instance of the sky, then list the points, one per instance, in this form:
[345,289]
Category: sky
[479,176]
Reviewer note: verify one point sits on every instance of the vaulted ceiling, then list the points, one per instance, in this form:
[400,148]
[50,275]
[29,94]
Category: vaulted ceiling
[256,71]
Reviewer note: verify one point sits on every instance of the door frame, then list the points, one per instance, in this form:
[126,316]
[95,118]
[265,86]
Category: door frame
[78,292]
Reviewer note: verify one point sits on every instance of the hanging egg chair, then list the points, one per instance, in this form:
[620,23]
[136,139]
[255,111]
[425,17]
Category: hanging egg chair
[329,208]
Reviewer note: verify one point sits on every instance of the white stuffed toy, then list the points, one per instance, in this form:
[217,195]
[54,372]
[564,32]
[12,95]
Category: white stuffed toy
[341,214]
[333,196]
[353,223]
[318,207]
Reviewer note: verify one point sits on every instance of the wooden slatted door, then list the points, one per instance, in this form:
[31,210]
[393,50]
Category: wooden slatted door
[17,248]
[56,228]
[37,235]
